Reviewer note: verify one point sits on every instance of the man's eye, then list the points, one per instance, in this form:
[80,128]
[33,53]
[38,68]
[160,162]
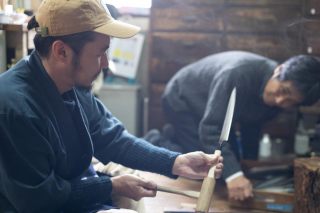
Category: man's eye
[284,91]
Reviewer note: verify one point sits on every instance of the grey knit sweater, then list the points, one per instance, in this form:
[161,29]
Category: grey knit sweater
[203,89]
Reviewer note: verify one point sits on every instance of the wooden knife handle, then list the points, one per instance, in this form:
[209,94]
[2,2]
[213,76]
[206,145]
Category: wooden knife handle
[206,193]
[207,189]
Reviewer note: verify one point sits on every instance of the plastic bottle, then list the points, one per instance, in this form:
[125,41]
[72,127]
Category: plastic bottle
[301,140]
[277,148]
[265,147]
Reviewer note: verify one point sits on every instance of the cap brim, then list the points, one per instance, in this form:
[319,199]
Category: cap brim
[118,29]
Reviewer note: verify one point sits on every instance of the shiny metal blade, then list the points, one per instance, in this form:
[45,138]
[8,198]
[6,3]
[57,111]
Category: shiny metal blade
[228,118]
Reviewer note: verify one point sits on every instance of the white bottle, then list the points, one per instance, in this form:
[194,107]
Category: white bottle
[301,140]
[265,147]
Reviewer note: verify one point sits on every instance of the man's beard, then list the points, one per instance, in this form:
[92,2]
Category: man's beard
[76,66]
[75,61]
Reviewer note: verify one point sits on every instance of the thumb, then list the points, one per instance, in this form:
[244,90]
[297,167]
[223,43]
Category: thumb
[149,185]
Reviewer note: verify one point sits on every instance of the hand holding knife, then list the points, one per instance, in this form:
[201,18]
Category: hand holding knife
[208,184]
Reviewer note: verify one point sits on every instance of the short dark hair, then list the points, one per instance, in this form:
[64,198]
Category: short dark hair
[75,41]
[304,71]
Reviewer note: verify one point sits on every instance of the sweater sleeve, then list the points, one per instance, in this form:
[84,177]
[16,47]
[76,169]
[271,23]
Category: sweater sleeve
[113,143]
[87,192]
[213,118]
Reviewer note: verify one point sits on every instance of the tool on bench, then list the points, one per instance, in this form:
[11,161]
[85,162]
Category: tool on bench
[188,193]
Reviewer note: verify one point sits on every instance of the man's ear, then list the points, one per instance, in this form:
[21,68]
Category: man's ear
[60,50]
[277,71]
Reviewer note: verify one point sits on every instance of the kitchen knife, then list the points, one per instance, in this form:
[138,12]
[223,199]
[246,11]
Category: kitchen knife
[209,182]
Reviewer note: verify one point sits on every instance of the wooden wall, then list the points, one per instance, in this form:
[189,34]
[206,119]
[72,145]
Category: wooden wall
[183,31]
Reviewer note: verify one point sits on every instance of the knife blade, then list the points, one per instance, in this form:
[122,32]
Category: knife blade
[224,136]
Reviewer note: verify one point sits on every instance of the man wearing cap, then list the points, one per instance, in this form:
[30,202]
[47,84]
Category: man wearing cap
[196,98]
[51,125]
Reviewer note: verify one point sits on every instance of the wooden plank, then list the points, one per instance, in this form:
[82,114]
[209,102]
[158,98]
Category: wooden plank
[313,110]
[187,18]
[260,19]
[313,46]
[156,115]
[311,8]
[183,31]
[264,200]
[272,46]
[303,28]
[12,27]
[156,92]
[262,2]
[307,185]
[181,3]
[164,202]
[178,3]
[306,34]
[311,36]
[311,27]
[171,51]
[156,118]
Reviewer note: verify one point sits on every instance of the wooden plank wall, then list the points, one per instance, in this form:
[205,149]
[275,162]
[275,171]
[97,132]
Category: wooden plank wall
[183,31]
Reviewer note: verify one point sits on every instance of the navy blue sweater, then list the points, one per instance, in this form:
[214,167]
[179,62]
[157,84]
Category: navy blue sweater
[47,142]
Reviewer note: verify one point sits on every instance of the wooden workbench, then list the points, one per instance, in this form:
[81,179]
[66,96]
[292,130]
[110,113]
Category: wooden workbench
[166,201]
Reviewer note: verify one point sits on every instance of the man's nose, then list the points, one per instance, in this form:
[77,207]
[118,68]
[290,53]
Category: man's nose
[279,100]
[283,102]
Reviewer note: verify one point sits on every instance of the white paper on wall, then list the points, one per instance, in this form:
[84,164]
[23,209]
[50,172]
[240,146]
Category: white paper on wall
[125,54]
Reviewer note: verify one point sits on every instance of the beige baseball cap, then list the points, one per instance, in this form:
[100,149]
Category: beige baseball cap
[65,17]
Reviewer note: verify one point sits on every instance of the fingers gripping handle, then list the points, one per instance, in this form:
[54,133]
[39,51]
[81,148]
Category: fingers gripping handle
[213,168]
[207,189]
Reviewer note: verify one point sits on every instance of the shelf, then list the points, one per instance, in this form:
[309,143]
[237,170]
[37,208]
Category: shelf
[14,27]
[312,110]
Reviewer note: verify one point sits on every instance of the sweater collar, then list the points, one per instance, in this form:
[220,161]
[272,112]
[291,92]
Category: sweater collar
[59,113]
[39,71]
